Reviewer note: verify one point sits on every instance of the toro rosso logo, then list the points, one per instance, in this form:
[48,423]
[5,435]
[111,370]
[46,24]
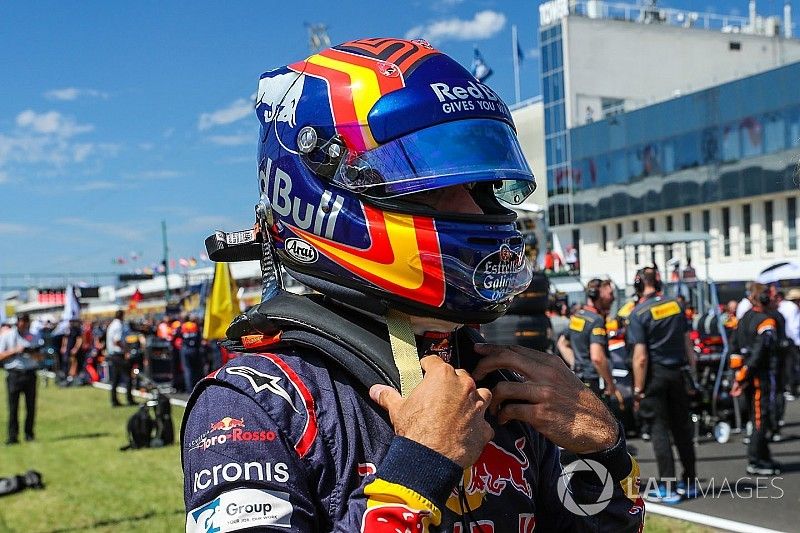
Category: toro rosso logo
[228,430]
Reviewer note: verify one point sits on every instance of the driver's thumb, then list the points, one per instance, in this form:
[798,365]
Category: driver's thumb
[385,396]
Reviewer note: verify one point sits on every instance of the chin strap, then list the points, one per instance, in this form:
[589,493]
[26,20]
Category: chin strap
[404,351]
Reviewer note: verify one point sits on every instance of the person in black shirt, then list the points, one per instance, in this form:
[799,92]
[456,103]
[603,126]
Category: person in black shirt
[587,338]
[757,341]
[662,348]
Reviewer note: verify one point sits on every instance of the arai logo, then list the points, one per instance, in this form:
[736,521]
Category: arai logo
[496,275]
[301,250]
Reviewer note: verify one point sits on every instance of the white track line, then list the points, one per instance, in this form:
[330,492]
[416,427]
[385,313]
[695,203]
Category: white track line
[138,394]
[105,386]
[704,519]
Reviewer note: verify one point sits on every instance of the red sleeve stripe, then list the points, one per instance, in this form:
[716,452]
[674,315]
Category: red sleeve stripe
[303,445]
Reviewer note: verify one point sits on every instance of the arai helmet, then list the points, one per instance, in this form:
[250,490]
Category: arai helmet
[351,138]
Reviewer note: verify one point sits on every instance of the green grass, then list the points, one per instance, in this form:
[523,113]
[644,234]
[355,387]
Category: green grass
[92,486]
[660,524]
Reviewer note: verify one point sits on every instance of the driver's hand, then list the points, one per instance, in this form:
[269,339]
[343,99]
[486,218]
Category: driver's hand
[445,412]
[551,399]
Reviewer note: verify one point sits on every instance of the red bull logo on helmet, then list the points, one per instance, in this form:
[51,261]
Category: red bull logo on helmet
[495,470]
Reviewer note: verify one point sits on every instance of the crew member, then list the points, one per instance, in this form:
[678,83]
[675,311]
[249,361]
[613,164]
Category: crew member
[588,339]
[756,341]
[662,348]
[382,165]
[20,357]
[191,356]
[791,315]
[118,363]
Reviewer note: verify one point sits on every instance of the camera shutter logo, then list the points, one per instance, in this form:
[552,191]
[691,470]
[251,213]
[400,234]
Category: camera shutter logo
[565,493]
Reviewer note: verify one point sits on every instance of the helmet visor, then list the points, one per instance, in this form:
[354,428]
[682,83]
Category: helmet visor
[453,153]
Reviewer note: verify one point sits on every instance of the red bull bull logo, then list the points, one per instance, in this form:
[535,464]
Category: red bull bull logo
[227,424]
[492,473]
[392,518]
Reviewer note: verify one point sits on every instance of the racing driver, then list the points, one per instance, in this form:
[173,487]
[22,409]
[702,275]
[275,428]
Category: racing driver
[372,405]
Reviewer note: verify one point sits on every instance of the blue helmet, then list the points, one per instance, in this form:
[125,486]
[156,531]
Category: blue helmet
[352,140]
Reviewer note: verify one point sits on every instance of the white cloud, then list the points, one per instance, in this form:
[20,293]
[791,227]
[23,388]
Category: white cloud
[483,25]
[96,185]
[156,174]
[120,231]
[443,5]
[232,140]
[235,111]
[533,53]
[204,223]
[9,227]
[51,122]
[81,151]
[73,93]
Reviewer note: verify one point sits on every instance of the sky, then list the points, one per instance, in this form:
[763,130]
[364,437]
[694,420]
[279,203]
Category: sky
[117,115]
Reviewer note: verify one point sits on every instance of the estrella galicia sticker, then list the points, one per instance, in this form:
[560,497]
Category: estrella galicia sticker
[495,276]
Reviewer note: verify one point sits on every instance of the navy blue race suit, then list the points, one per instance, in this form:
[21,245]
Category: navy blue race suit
[291,441]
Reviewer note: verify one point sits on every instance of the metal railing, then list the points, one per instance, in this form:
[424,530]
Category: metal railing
[658,15]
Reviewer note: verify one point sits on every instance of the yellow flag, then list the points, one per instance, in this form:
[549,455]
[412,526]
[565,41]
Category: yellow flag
[222,305]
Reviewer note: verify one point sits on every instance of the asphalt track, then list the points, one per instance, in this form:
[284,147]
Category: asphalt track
[731,493]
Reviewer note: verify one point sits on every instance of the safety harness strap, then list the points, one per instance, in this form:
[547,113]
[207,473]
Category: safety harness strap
[404,351]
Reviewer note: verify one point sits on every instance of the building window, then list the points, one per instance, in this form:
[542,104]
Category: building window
[746,222]
[769,217]
[651,223]
[687,222]
[726,231]
[635,228]
[706,220]
[751,133]
[619,230]
[604,237]
[791,222]
[774,133]
[731,149]
[734,45]
[669,223]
